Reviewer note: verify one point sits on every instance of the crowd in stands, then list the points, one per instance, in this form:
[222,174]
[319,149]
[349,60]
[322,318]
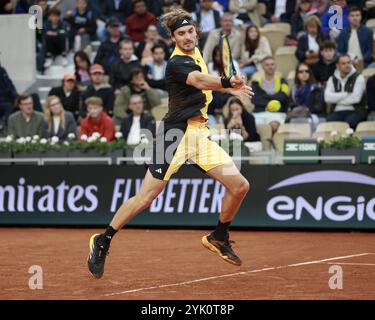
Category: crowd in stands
[118,87]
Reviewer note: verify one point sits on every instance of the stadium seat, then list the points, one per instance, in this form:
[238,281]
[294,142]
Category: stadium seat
[364,129]
[159,112]
[290,79]
[290,130]
[276,38]
[367,73]
[286,60]
[324,129]
[371,24]
[265,133]
[279,26]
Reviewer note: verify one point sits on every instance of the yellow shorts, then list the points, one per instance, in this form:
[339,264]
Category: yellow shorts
[193,145]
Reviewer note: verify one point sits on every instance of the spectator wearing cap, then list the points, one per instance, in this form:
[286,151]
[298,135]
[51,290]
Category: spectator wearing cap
[121,68]
[108,51]
[137,23]
[68,94]
[98,88]
[97,120]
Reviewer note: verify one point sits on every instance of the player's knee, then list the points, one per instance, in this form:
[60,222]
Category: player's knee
[243,187]
[147,199]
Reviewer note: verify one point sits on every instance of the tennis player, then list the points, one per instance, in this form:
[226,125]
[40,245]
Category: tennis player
[189,88]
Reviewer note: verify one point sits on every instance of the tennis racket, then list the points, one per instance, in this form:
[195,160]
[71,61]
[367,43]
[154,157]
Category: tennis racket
[226,57]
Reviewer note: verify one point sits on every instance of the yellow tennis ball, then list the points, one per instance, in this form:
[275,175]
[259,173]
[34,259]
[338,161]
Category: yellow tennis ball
[273,106]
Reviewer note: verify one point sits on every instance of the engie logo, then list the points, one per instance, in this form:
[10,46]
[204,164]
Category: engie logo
[341,207]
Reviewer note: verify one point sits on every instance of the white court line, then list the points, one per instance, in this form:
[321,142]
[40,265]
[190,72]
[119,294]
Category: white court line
[352,263]
[235,274]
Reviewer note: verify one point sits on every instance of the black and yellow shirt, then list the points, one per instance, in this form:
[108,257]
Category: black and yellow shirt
[185,101]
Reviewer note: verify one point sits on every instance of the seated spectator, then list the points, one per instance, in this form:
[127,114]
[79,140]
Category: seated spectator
[370,89]
[240,118]
[137,120]
[246,11]
[82,65]
[280,10]
[68,94]
[255,49]
[356,40]
[326,65]
[207,18]
[6,6]
[137,23]
[26,122]
[8,95]
[98,88]
[97,120]
[271,94]
[307,97]
[304,10]
[309,43]
[234,37]
[346,92]
[144,48]
[138,85]
[333,33]
[108,51]
[121,68]
[59,122]
[119,9]
[82,24]
[23,6]
[221,5]
[321,6]
[156,6]
[55,38]
[156,69]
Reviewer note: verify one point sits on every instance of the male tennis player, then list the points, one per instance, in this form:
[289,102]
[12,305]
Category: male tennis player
[189,86]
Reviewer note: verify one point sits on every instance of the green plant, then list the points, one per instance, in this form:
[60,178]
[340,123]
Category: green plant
[341,142]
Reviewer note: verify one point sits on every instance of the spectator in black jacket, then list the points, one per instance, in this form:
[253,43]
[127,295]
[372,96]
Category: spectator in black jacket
[6,6]
[370,89]
[117,9]
[68,94]
[98,88]
[278,13]
[136,121]
[304,10]
[326,66]
[108,51]
[82,65]
[8,95]
[155,69]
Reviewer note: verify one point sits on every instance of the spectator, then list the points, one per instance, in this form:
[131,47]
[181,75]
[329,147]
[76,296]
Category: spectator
[221,5]
[59,122]
[271,94]
[68,94]
[136,121]
[326,65]
[207,18]
[83,25]
[246,11]
[346,92]
[82,69]
[326,18]
[98,88]
[307,97]
[138,85]
[309,43]
[240,118]
[55,38]
[304,10]
[26,122]
[234,37]
[321,6]
[356,40]
[155,6]
[121,68]
[108,51]
[23,6]
[280,10]
[137,23]
[143,51]
[156,69]
[6,6]
[119,9]
[8,95]
[256,48]
[370,88]
[97,120]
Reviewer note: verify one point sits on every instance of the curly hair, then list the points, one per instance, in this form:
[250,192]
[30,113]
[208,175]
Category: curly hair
[169,19]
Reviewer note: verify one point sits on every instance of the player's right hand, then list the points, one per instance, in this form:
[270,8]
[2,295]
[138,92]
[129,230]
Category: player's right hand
[237,81]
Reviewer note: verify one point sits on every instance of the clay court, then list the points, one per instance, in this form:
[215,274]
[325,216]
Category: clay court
[172,264]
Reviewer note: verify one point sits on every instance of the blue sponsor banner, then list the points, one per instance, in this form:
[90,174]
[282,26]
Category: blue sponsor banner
[293,196]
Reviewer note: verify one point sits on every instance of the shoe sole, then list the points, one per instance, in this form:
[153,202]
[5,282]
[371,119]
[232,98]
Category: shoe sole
[91,243]
[211,247]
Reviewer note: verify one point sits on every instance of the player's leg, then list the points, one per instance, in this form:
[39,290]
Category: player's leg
[99,243]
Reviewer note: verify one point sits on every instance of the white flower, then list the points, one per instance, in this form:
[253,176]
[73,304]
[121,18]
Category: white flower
[54,140]
[33,141]
[334,133]
[84,137]
[21,140]
[349,131]
[9,139]
[215,137]
[43,141]
[118,135]
[91,139]
[28,139]
[103,139]
[66,143]
[320,139]
[71,136]
[144,140]
[235,136]
[96,135]
[36,137]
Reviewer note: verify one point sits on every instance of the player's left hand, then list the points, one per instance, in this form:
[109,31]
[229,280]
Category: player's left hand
[243,91]
[237,81]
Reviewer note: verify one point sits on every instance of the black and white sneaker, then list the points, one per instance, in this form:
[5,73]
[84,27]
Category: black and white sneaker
[96,258]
